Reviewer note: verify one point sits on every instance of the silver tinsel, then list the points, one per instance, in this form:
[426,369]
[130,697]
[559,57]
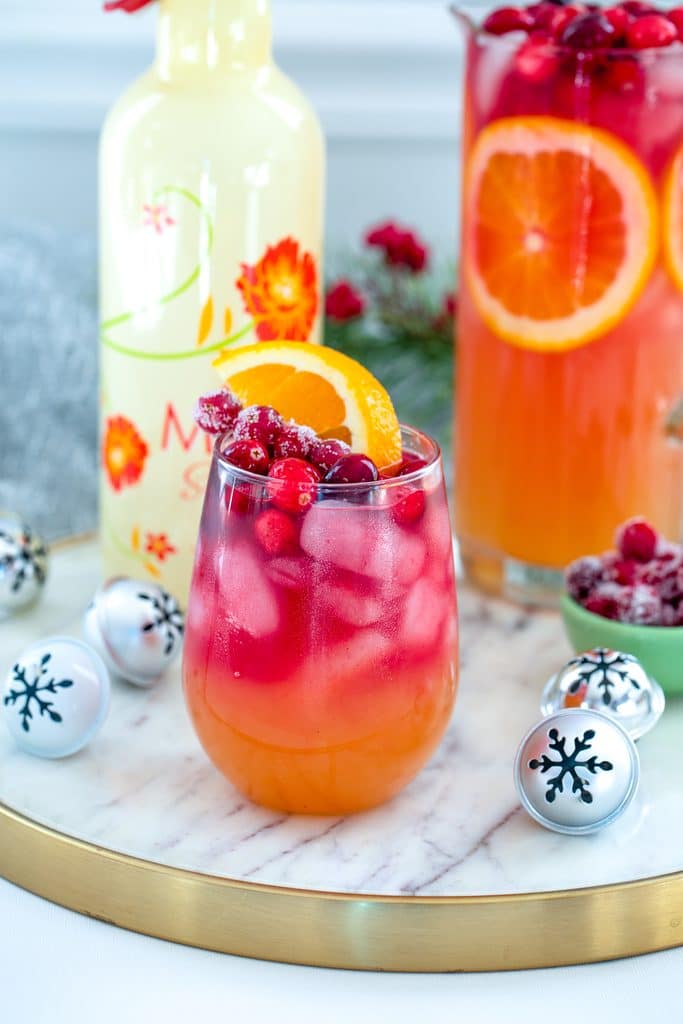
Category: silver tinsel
[48,387]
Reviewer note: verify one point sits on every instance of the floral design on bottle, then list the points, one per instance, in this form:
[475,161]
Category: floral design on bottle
[279,291]
[124,452]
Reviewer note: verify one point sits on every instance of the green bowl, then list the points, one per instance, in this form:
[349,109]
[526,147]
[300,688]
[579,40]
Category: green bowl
[659,648]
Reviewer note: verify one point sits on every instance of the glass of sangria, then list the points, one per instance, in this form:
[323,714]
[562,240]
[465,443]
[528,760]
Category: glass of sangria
[570,335]
[320,659]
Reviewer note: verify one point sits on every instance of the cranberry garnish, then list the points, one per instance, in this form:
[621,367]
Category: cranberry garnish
[583,576]
[637,8]
[292,484]
[535,60]
[352,469]
[637,539]
[216,412]
[250,455]
[508,19]
[676,17]
[666,576]
[589,32]
[621,570]
[651,30]
[258,423]
[672,614]
[604,601]
[327,451]
[410,508]
[640,605]
[411,465]
[275,532]
[294,442]
[561,18]
[619,19]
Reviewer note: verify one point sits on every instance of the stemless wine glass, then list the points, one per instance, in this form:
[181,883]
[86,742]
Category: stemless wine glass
[320,664]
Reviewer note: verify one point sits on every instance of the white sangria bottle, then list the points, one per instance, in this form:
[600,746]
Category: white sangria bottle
[211,199]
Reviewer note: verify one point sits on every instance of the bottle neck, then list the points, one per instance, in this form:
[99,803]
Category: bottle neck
[199,36]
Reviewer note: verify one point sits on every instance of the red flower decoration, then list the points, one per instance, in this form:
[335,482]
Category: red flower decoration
[281,292]
[157,544]
[123,452]
[129,6]
[401,247]
[343,302]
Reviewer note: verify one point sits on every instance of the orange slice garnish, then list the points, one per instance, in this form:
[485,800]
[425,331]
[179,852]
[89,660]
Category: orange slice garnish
[319,388]
[672,218]
[560,230]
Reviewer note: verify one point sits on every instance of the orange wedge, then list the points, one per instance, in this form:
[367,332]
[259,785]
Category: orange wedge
[672,217]
[317,387]
[560,231]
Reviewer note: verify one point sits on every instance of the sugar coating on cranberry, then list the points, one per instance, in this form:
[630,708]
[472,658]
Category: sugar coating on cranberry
[640,605]
[636,539]
[275,532]
[258,423]
[250,455]
[508,19]
[326,451]
[216,412]
[294,442]
[352,469]
[604,600]
[583,576]
[293,484]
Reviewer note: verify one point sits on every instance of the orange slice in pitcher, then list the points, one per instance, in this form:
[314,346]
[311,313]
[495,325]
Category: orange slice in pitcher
[560,230]
[672,216]
[319,388]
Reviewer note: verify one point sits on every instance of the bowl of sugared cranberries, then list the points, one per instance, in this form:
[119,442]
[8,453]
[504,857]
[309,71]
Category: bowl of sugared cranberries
[631,599]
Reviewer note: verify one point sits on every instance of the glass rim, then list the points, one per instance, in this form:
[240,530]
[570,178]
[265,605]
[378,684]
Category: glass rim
[434,460]
[587,57]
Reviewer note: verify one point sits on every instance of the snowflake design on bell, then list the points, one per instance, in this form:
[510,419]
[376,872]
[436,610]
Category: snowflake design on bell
[31,690]
[167,617]
[607,670]
[569,764]
[23,565]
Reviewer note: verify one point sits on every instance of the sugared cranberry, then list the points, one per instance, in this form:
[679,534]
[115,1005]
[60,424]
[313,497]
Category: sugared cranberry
[326,452]
[604,601]
[583,576]
[590,31]
[275,532]
[409,508]
[637,8]
[619,19]
[294,442]
[665,575]
[352,469]
[216,412]
[651,30]
[292,484]
[640,605]
[258,423]
[508,19]
[636,539]
[250,455]
[536,60]
[676,17]
[411,465]
[621,570]
[672,614]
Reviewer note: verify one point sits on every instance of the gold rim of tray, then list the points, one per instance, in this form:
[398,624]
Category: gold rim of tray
[347,930]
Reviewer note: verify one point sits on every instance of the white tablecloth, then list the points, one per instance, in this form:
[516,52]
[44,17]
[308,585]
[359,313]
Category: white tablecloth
[57,966]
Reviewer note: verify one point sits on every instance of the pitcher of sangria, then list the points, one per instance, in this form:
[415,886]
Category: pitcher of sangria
[570,339]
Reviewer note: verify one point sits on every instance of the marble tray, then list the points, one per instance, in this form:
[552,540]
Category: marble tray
[144,794]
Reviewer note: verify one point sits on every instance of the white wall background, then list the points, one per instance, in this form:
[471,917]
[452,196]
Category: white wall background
[384,77]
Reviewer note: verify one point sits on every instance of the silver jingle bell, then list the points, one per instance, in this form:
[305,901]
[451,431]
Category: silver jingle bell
[576,771]
[23,565]
[137,627]
[55,697]
[608,681]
